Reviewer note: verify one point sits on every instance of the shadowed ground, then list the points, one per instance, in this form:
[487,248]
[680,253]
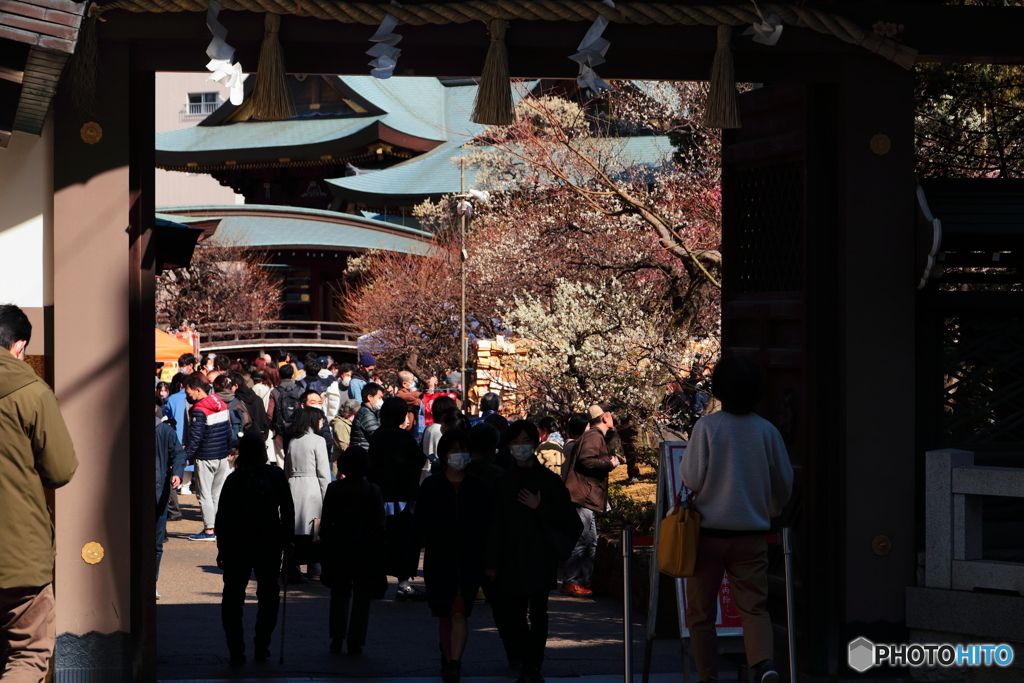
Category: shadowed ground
[585,635]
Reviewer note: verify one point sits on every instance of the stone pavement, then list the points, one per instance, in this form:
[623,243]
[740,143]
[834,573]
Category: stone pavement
[585,635]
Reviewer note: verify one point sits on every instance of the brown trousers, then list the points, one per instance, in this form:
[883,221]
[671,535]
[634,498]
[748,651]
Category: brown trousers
[745,560]
[27,632]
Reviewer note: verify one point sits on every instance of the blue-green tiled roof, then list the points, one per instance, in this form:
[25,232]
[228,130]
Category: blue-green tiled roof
[418,106]
[254,134]
[436,173]
[311,228]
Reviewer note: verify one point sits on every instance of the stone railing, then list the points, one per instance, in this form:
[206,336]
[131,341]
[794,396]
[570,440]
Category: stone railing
[953,514]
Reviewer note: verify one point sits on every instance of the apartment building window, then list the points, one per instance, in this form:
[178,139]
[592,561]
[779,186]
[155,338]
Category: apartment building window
[202,103]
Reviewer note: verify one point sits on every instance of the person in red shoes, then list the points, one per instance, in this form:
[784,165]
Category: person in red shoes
[587,481]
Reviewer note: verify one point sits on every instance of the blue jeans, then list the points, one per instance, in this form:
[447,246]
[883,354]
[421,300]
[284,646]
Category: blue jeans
[161,534]
[579,568]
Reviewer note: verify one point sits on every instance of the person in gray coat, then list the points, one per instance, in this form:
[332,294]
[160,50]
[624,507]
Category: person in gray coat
[309,472]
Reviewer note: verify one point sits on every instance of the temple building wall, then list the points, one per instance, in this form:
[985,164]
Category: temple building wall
[173,112]
[26,228]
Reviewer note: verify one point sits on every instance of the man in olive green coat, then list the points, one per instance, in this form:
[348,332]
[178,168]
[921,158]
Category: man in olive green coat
[35,453]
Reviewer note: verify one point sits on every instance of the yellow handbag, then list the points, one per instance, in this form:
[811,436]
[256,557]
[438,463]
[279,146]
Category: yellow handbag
[678,540]
[679,536]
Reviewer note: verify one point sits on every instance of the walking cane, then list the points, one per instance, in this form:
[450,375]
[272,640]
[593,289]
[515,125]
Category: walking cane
[284,608]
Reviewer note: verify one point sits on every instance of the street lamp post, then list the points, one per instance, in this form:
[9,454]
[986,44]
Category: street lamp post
[463,341]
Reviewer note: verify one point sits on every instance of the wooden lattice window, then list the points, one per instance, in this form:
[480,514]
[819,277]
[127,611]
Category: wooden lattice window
[764,208]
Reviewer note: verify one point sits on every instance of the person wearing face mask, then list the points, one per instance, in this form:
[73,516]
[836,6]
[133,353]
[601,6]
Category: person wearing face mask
[452,517]
[534,526]
[409,392]
[366,421]
[163,392]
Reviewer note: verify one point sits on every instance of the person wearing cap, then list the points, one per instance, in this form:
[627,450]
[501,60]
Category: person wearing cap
[362,375]
[587,481]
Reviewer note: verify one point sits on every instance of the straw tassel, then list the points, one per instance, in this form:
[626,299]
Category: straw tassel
[493,106]
[271,100]
[721,110]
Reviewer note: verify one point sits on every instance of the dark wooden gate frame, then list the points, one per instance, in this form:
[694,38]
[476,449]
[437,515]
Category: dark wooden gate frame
[134,46]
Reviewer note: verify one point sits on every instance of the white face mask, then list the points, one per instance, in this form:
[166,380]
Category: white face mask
[458,461]
[377,404]
[345,381]
[521,452]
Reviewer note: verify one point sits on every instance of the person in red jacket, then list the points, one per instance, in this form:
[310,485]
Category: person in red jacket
[587,481]
[209,443]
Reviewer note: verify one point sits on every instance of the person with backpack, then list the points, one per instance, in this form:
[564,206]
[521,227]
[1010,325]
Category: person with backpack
[309,472]
[255,523]
[352,542]
[238,416]
[256,415]
[284,407]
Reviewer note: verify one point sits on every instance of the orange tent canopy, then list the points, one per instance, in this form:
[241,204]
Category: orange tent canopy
[169,348]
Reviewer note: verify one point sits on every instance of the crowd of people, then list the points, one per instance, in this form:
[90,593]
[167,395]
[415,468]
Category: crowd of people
[325,466]
[350,476]
[328,466]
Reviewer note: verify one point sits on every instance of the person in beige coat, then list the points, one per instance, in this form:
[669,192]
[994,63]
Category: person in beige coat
[36,453]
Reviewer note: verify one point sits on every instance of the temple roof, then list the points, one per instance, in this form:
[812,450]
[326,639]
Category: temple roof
[414,114]
[437,173]
[255,225]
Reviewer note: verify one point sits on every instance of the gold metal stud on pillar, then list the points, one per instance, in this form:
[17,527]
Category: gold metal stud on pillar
[91,133]
[881,144]
[92,552]
[881,545]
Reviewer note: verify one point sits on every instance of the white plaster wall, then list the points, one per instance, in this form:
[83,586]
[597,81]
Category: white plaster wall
[26,220]
[174,188]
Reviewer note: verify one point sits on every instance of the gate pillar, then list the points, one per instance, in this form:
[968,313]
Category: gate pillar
[102,331]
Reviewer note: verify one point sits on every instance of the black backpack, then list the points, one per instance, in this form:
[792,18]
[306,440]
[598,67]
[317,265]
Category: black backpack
[236,412]
[286,407]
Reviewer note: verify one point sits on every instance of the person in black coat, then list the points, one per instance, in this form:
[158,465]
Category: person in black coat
[170,467]
[396,461]
[255,523]
[352,540]
[534,526]
[452,519]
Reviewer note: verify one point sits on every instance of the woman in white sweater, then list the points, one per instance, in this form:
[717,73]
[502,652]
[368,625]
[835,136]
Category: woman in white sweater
[737,464]
[309,473]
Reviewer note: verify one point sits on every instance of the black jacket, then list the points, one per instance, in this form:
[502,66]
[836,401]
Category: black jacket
[524,545]
[255,510]
[364,424]
[352,523]
[396,462]
[452,524]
